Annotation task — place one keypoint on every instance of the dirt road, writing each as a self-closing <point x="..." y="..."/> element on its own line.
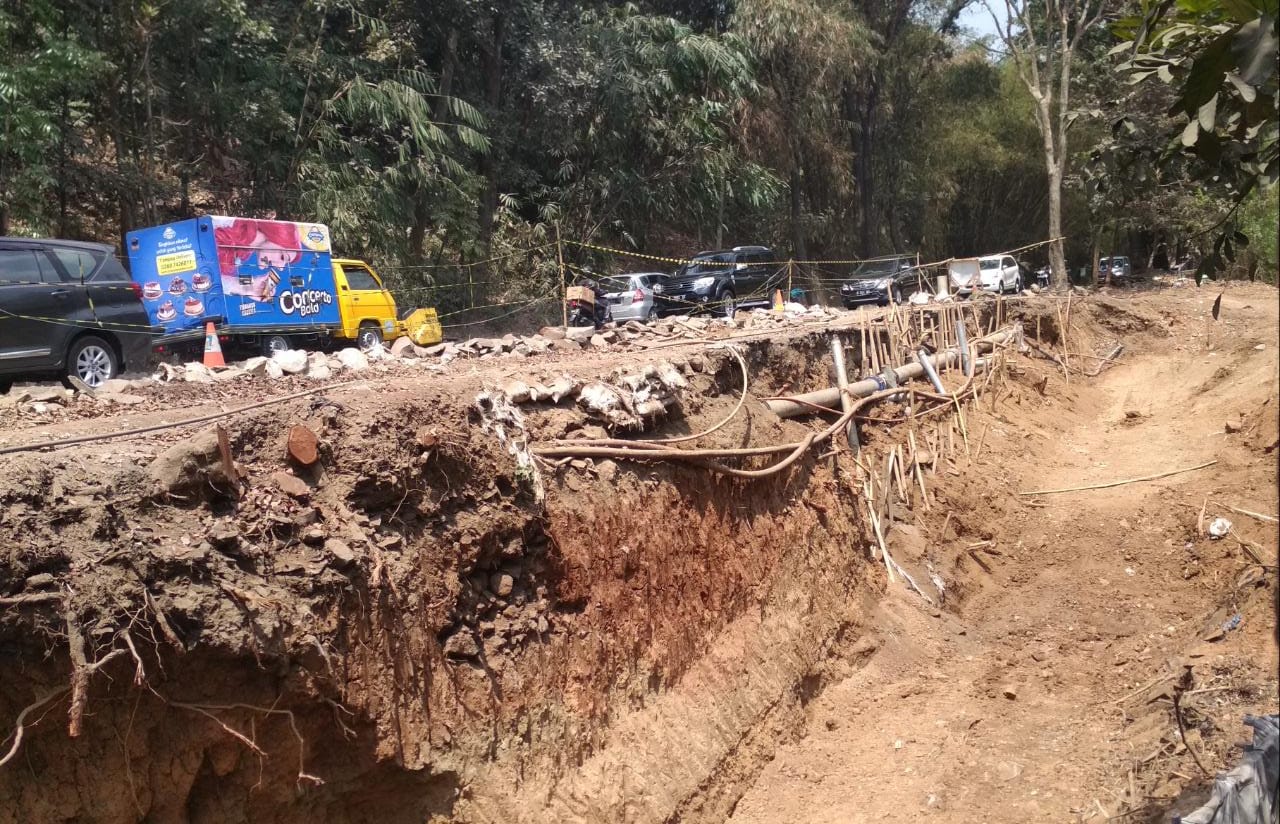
<point x="1019" y="705"/>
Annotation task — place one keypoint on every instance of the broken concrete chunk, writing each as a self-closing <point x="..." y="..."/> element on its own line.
<point x="403" y="347"/>
<point x="353" y="359"/>
<point x="552" y="333"/>
<point x="290" y="361"/>
<point x="189" y="465"/>
<point x="321" y="372"/>
<point x="599" y="341"/>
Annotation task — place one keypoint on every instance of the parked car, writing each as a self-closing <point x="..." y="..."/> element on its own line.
<point x="68" y="309"/>
<point x="1118" y="268"/>
<point x="721" y="281"/>
<point x="631" y="296"/>
<point x="990" y="273"/>
<point x="879" y="282"/>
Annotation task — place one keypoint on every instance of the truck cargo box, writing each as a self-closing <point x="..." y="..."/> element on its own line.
<point x="249" y="276"/>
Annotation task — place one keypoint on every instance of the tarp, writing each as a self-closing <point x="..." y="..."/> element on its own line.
<point x="1248" y="793"/>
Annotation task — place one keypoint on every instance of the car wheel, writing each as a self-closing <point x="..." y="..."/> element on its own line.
<point x="92" y="360"/>
<point x="5" y="386"/>
<point x="274" y="343"/>
<point x="1017" y="285"/>
<point x="729" y="302"/>
<point x="369" y="336"/>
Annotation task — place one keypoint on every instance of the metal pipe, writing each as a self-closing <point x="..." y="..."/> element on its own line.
<point x="963" y="340"/>
<point x="842" y="382"/>
<point x="922" y="357"/>
<point x="831" y="397"/>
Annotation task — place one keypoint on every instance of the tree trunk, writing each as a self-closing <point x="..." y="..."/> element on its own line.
<point x="797" y="216"/>
<point x="865" y="182"/>
<point x="493" y="97"/>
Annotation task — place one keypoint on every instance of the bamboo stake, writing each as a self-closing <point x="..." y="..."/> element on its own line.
<point x="1110" y="484"/>
<point x="964" y="430"/>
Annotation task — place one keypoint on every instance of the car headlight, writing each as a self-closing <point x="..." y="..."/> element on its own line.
<point x="704" y="283"/>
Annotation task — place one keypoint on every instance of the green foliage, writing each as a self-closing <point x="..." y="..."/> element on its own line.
<point x="1220" y="57"/>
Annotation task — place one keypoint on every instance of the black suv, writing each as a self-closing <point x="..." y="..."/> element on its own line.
<point x="68" y="309"/>
<point x="881" y="281"/>
<point x="721" y="281"/>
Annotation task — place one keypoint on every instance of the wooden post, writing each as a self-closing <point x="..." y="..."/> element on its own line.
<point x="564" y="286"/>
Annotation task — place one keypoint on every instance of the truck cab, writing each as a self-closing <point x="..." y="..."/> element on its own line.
<point x="367" y="309"/>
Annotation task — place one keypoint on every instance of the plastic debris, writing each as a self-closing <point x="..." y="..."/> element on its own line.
<point x="1220" y="528"/>
<point x="1247" y="793"/>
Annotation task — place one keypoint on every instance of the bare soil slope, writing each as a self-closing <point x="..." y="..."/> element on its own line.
<point x="1024" y="703"/>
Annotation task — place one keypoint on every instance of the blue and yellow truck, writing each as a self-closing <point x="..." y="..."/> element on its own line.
<point x="266" y="285"/>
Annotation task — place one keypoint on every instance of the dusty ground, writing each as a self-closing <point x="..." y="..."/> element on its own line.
<point x="647" y="643"/>
<point x="1092" y="594"/>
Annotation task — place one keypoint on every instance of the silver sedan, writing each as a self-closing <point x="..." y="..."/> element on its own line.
<point x="631" y="296"/>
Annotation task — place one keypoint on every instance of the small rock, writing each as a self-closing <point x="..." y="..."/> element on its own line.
<point x="697" y="364"/>
<point x="1132" y="414"/>
<point x="1009" y="691"/>
<point x="599" y="341"/>
<point x="1234" y="424"/>
<point x="502" y="584"/>
<point x="552" y="333"/>
<point x="224" y="537"/>
<point x="390" y="542"/>
<point x="339" y="551"/>
<point x="462" y="644"/>
<point x="229" y="373"/>
<point x="304" y="446"/>
<point x="353" y="359"/>
<point x="273" y="370"/>
<point x="38" y="581"/>
<point x="291" y="485"/>
<point x="579" y="333"/>
<point x="117" y="386"/>
<point x="315" y="535"/>
<point x="607" y="470"/>
<point x="320" y="372"/>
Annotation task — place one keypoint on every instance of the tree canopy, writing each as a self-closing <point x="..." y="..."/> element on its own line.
<point x="449" y="141"/>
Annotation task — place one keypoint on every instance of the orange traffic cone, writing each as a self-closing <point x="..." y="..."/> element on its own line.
<point x="212" y="349"/>
<point x="777" y="300"/>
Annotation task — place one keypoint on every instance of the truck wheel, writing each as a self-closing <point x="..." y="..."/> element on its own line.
<point x="274" y="343"/>
<point x="369" y="336"/>
<point x="92" y="360"/>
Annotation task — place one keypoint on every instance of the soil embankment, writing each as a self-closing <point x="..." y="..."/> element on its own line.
<point x="425" y="625"/>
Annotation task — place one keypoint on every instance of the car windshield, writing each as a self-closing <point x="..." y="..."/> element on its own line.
<point x="994" y="263"/>
<point x="708" y="265"/>
<point x="877" y="269"/>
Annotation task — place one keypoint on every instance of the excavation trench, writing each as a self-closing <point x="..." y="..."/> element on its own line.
<point x="429" y="624"/>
